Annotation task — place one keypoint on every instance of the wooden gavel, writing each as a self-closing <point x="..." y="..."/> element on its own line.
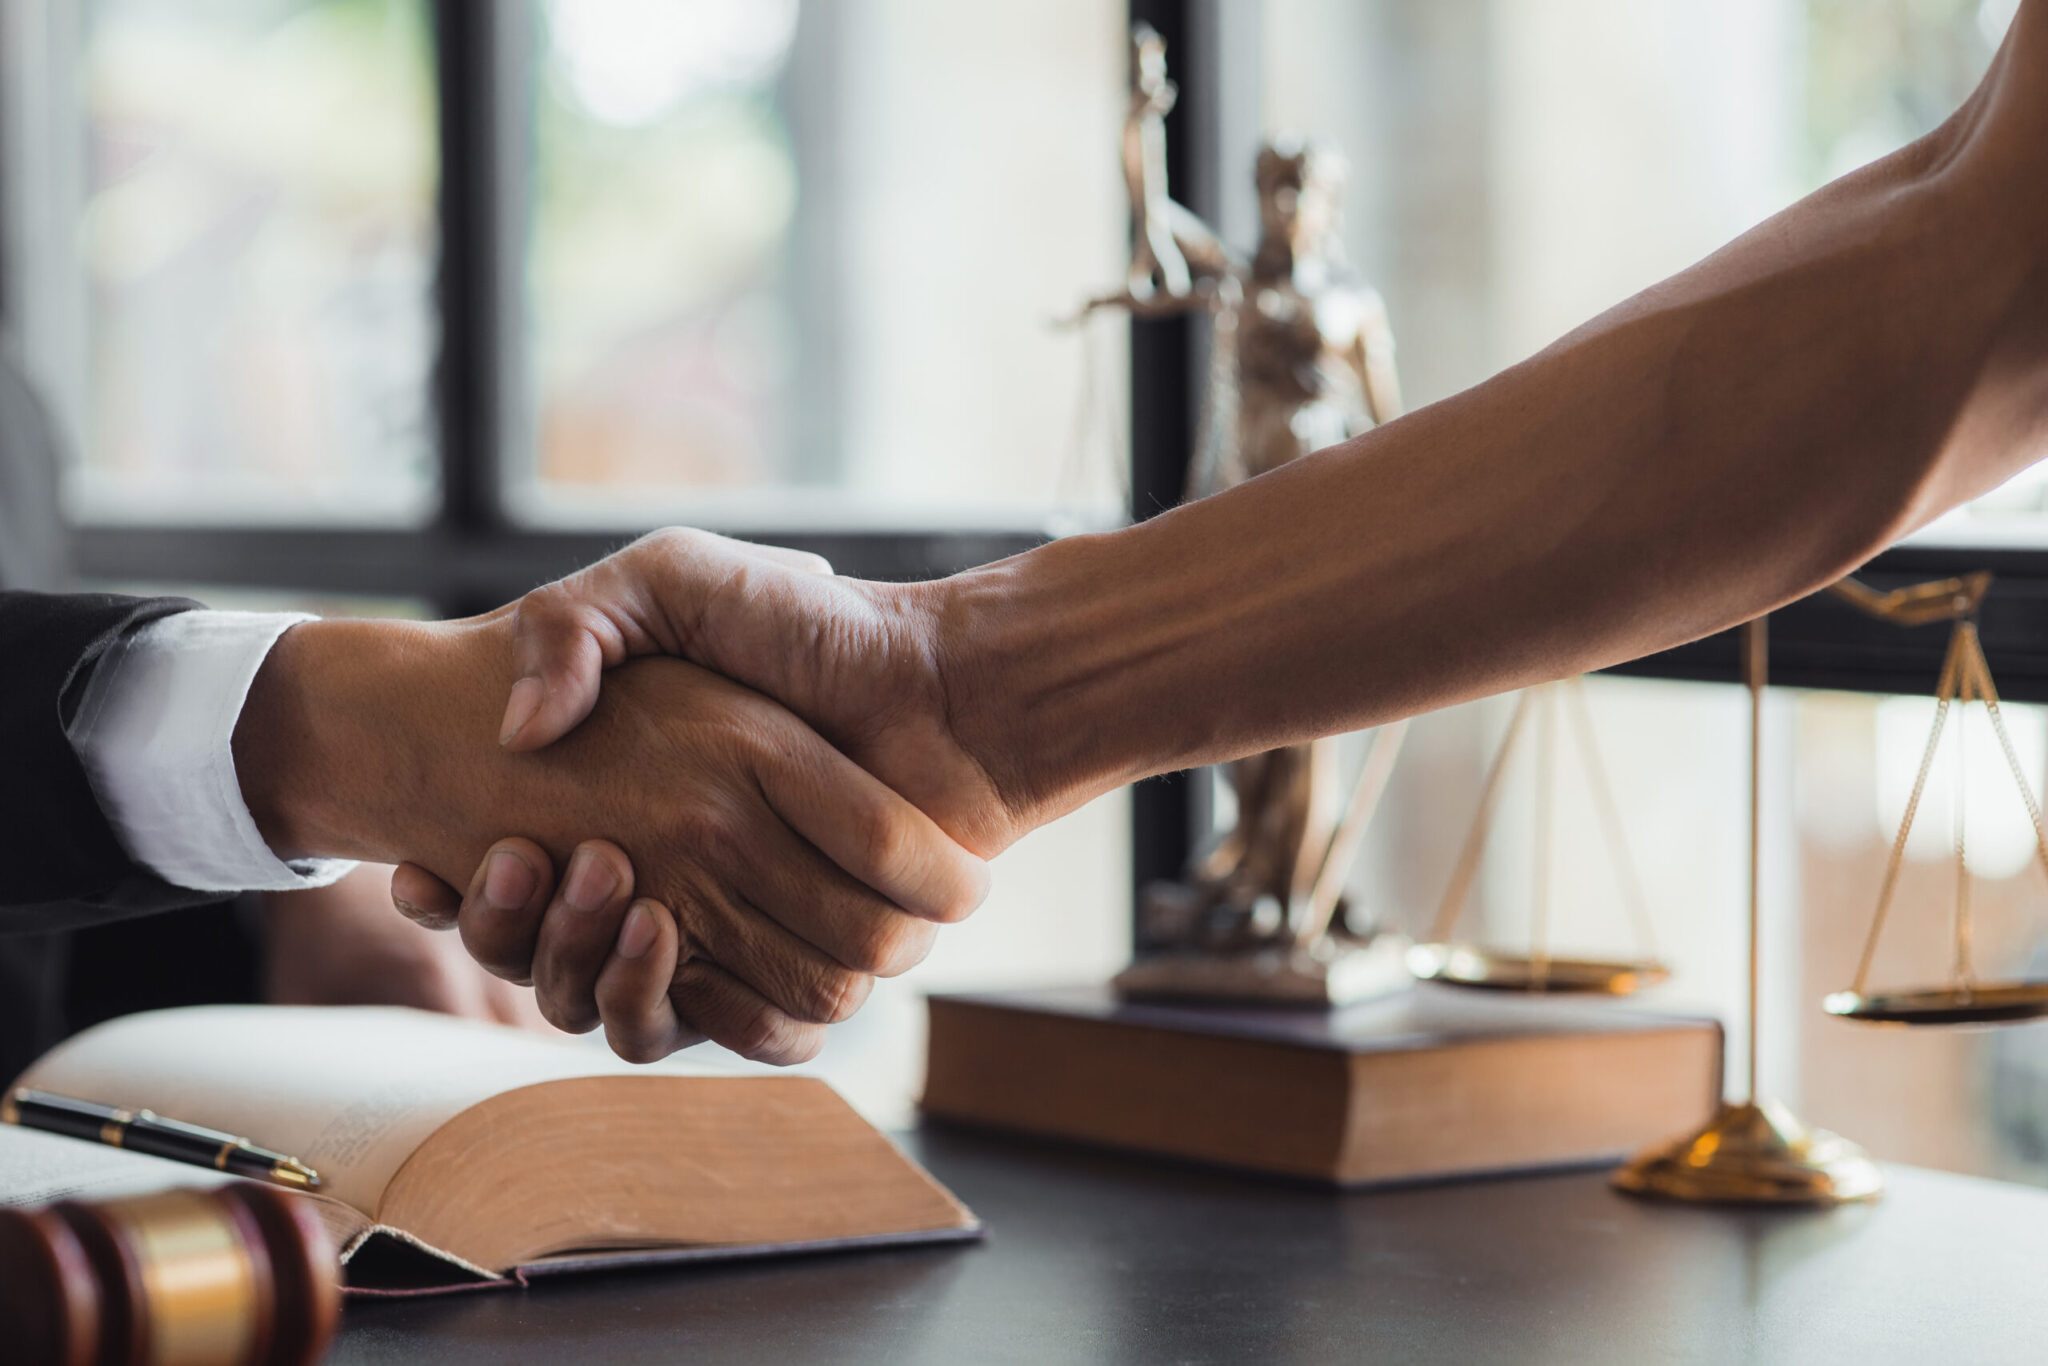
<point x="241" y="1275"/>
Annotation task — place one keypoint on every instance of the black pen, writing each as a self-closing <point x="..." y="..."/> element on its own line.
<point x="145" y="1131"/>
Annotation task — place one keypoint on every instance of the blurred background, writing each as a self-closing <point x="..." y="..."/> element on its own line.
<point x="401" y="307"/>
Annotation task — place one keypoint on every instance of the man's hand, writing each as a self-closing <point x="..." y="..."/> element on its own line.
<point x="637" y="981"/>
<point x="873" y="666"/>
<point x="793" y="875"/>
<point x="341" y="945"/>
<point x="864" y="663"/>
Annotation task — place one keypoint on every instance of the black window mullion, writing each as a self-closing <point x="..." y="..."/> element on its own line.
<point x="482" y="92"/>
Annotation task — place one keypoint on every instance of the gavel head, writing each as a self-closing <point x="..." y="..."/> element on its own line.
<point x="241" y="1275"/>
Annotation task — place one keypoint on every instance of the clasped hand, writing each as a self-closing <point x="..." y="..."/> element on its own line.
<point x="805" y="846"/>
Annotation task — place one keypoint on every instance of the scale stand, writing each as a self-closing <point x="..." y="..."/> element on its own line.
<point x="1453" y="963"/>
<point x="1754" y="1152"/>
<point x="1965" y="677"/>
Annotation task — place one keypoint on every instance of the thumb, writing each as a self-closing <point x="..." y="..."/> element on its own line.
<point x="561" y="650"/>
<point x="569" y="632"/>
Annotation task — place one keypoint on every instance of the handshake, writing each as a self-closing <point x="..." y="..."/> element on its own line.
<point x="761" y="786"/>
<point x="764" y="785"/>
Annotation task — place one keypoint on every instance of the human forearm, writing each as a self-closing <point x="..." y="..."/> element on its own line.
<point x="1725" y="442"/>
<point x="359" y="738"/>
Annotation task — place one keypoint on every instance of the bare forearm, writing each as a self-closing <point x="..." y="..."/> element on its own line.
<point x="1725" y="442"/>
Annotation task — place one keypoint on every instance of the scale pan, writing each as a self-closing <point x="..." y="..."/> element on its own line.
<point x="1472" y="965"/>
<point x="1985" y="1003"/>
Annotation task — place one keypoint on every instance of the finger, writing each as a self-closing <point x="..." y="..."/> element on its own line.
<point x="815" y="900"/>
<point x="501" y="914"/>
<point x="640" y="1021"/>
<point x="728" y="1012"/>
<point x="577" y="934"/>
<point x="566" y="634"/>
<point x="562" y="645"/>
<point x="881" y="840"/>
<point x="789" y="973"/>
<point x="423" y="898"/>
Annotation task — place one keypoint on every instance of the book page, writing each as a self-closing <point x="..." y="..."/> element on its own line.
<point x="350" y="1091"/>
<point x="36" y="1168"/>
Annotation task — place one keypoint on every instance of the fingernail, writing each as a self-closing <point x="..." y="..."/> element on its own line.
<point x="508" y="881"/>
<point x="591" y="882"/>
<point x="407" y="909"/>
<point x="638" y="932"/>
<point x="527" y="695"/>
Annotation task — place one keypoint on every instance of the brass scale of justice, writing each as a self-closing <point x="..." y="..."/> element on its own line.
<point x="1752" y="1151"/>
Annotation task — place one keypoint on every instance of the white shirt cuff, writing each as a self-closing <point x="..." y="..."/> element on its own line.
<point x="155" y="731"/>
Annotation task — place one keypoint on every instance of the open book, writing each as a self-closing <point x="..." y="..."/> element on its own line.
<point x="498" y="1152"/>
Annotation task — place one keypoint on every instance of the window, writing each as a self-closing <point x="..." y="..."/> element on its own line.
<point x="249" y="329"/>
<point x="584" y="268"/>
<point x="779" y="257"/>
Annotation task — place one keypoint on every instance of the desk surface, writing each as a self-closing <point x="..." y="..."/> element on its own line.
<point x="1094" y="1258"/>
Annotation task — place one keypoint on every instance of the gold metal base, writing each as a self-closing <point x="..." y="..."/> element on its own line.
<point x="1472" y="965"/>
<point x="1754" y="1154"/>
<point x="1980" y="1003"/>
<point x="1324" y="975"/>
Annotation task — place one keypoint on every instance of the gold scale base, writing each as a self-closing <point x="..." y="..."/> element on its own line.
<point x="1754" y="1154"/>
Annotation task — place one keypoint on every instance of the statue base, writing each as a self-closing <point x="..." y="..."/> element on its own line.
<point x="1324" y="976"/>
<point x="1429" y="1083"/>
<point x="1754" y="1154"/>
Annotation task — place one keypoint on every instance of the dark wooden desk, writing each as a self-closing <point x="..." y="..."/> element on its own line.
<point x="1100" y="1259"/>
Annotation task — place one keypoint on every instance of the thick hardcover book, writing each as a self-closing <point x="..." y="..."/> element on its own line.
<point x="1429" y="1084"/>
<point x="453" y="1153"/>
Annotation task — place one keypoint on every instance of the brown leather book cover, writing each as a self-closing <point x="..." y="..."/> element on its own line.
<point x="1428" y="1084"/>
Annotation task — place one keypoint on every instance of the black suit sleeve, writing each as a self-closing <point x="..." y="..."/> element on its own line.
<point x="61" y="865"/>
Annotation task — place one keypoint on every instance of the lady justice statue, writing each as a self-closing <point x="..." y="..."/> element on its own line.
<point x="1302" y="358"/>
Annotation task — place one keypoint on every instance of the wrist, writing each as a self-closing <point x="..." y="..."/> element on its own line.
<point x="358" y="735"/>
<point x="1038" y="680"/>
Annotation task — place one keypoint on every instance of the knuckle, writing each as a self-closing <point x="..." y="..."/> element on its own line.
<point x="840" y="994"/>
<point x="538" y="606"/>
<point x="913" y="944"/>
<point x="562" y="1005"/>
<point x="564" y="1016"/>
<point x="892" y="943"/>
<point x="765" y="1035"/>
<point x="635" y="1045"/>
<point x="502" y="940"/>
<point x="672" y="538"/>
<point x="963" y="895"/>
<point x="886" y="843"/>
<point x="497" y="958"/>
<point x="709" y="834"/>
